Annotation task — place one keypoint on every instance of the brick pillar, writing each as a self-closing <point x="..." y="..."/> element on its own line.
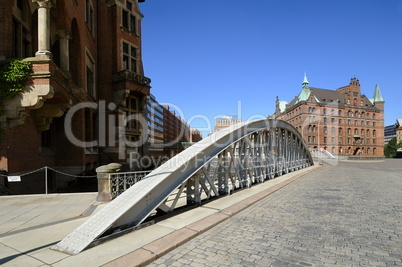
<point x="104" y="190"/>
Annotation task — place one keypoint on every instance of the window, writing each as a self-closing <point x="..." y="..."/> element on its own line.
<point x="349" y="131"/>
<point x="356" y="122"/>
<point x="324" y="111"/>
<point x="325" y="129"/>
<point x="90" y="75"/>
<point x="129" y="111"/>
<point x="362" y="132"/>
<point x="373" y="124"/>
<point x="356" y="132"/>
<point x="333" y="140"/>
<point x="374" y="141"/>
<point x="362" y="123"/>
<point x="349" y="141"/>
<point x="325" y="120"/>
<point x="21" y="40"/>
<point x="340" y="130"/>
<point x="348" y="122"/>
<point x="90" y="82"/>
<point x="374" y="132"/>
<point x="339" y="113"/>
<point x="333" y="130"/>
<point x="129" y="20"/>
<point x="325" y="140"/>
<point x="368" y="132"/>
<point x="340" y="122"/>
<point x="130" y="55"/>
<point x="332" y="112"/>
<point x="332" y="121"/>
<point x="89" y="15"/>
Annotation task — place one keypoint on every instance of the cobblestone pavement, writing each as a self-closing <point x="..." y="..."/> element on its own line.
<point x="349" y="214"/>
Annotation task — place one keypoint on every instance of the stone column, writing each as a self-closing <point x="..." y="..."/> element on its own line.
<point x="104" y="190"/>
<point x="64" y="39"/>
<point x="43" y="27"/>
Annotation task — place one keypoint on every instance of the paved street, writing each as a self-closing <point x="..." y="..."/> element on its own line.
<point x="349" y="214"/>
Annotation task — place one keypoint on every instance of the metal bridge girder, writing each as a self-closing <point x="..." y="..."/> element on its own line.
<point x="235" y="157"/>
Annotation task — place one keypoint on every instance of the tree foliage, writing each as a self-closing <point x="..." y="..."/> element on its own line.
<point x="13" y="74"/>
<point x="390" y="150"/>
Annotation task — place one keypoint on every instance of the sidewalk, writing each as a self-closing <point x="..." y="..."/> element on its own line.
<point x="31" y="225"/>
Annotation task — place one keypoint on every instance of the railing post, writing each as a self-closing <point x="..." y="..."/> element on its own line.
<point x="104" y="190"/>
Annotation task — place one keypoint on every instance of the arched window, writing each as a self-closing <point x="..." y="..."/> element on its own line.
<point x="355" y="102"/>
<point x="324" y="111"/>
<point x="356" y="132"/>
<point x="362" y="132"/>
<point x="374" y="132"/>
<point x="333" y="130"/>
<point x="339" y="113"/>
<point x="325" y="129"/>
<point x="368" y="133"/>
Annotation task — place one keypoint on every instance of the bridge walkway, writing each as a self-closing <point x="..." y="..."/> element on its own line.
<point x="28" y="241"/>
<point x="349" y="214"/>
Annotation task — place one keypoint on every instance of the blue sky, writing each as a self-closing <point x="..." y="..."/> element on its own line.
<point x="214" y="57"/>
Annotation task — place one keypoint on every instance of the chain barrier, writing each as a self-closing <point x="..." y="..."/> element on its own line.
<point x="48" y="168"/>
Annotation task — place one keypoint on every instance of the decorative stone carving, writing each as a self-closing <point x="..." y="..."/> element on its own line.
<point x="44" y="3"/>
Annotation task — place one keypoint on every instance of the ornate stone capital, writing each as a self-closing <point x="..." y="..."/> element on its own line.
<point x="64" y="34"/>
<point x="44" y="3"/>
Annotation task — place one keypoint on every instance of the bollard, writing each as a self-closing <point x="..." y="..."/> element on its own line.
<point x="104" y="190"/>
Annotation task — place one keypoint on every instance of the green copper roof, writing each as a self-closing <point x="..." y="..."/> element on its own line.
<point x="305" y="81"/>
<point x="305" y="93"/>
<point x="377" y="94"/>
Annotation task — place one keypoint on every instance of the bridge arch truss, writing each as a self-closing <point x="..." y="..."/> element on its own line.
<point x="234" y="158"/>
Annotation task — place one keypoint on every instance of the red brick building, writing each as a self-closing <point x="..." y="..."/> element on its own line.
<point x="343" y="121"/>
<point x="83" y="103"/>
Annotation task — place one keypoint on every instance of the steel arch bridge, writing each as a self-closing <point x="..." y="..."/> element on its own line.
<point x="235" y="157"/>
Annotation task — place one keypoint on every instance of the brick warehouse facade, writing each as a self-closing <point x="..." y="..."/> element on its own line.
<point x="344" y="122"/>
<point x="84" y="104"/>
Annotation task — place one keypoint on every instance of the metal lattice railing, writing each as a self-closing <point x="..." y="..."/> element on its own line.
<point x="121" y="181"/>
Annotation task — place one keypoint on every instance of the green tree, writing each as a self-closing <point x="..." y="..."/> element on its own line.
<point x="391" y="148"/>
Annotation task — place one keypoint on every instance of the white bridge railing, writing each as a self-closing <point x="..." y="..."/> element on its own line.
<point x="121" y="181"/>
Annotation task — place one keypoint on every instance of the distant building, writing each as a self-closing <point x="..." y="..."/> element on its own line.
<point x="175" y="132"/>
<point x="225" y="121"/>
<point x="195" y="135"/>
<point x="394" y="130"/>
<point x="166" y="132"/>
<point x="342" y="121"/>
